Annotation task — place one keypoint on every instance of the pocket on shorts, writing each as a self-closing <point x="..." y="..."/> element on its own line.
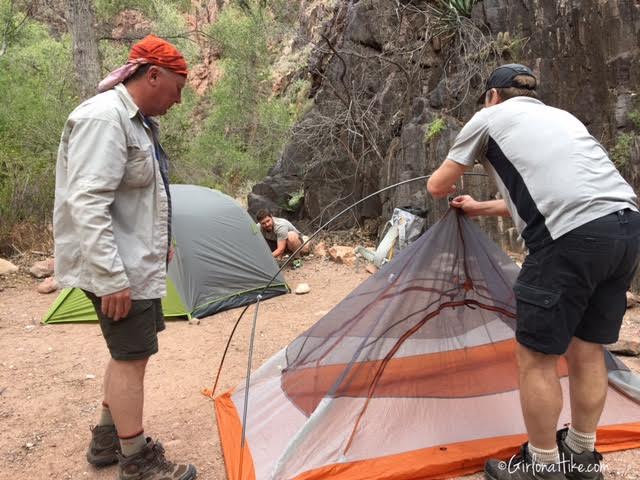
<point x="536" y="296"/>
<point x="138" y="307"/>
<point x="538" y="324"/>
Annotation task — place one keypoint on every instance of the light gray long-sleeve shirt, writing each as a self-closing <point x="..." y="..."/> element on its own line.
<point x="110" y="216"/>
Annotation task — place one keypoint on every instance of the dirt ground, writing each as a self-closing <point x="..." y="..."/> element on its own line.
<point x="50" y="377"/>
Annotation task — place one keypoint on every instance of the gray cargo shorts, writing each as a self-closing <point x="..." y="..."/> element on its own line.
<point x="134" y="337"/>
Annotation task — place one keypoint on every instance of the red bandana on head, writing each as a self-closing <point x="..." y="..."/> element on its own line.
<point x="157" y="51"/>
<point x="150" y="49"/>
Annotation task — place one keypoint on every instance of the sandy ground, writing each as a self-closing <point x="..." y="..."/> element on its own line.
<point x="50" y="378"/>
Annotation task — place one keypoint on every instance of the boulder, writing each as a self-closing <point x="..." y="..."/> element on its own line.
<point x="42" y="269"/>
<point x="632" y="300"/>
<point x="7" y="267"/>
<point x="320" y="249"/>
<point x="626" y="347"/>
<point x="302" y="288"/>
<point x="48" y="285"/>
<point x="342" y="254"/>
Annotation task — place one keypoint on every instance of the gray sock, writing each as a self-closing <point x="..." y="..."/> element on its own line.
<point x="105" y="416"/>
<point x="580" y="442"/>
<point x="132" y="445"/>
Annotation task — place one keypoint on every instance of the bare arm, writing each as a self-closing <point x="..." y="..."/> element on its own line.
<point x="280" y="249"/>
<point x="443" y="180"/>
<point x="473" y="208"/>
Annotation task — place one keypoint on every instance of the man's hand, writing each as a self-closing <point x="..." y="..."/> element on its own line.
<point x="473" y="208"/>
<point x="467" y="204"/>
<point x="117" y="305"/>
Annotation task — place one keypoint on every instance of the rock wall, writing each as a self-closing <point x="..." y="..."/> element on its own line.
<point x="392" y="85"/>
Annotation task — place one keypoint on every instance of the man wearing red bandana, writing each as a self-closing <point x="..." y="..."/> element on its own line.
<point x="112" y="231"/>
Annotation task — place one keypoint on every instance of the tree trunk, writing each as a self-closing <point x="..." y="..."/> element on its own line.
<point x="81" y="20"/>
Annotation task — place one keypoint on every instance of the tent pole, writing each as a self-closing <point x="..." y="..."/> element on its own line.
<point x="247" y="383"/>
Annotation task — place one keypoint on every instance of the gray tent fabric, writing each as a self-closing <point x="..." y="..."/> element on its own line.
<point x="221" y="259"/>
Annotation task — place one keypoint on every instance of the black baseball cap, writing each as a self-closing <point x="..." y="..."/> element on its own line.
<point x="503" y="77"/>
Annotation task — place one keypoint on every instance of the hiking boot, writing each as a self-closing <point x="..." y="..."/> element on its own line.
<point x="150" y="464"/>
<point x="104" y="446"/>
<point x="522" y="467"/>
<point x="579" y="466"/>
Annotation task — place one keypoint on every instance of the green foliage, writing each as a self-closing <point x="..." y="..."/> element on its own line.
<point x="449" y="16"/>
<point x="177" y="127"/>
<point x="458" y="7"/>
<point x="168" y="22"/>
<point x="295" y="202"/>
<point x="508" y="47"/>
<point x="634" y="116"/>
<point x="226" y="138"/>
<point x="622" y="149"/>
<point x="108" y="9"/>
<point x="36" y="98"/>
<point x="434" y="129"/>
<point x="247" y="127"/>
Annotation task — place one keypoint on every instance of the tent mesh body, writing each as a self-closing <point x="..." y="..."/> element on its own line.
<point x="412" y="376"/>
<point x="221" y="261"/>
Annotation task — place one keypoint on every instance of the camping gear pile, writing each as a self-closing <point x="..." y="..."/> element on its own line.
<point x="406" y="226"/>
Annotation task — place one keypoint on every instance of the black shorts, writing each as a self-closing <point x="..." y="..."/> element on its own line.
<point x="134" y="337"/>
<point x="576" y="286"/>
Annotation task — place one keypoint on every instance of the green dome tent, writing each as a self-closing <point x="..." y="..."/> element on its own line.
<point x="221" y="261"/>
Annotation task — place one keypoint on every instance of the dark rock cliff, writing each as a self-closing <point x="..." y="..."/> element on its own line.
<point x="393" y="81"/>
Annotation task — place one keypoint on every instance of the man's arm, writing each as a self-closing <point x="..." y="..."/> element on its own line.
<point x="280" y="249"/>
<point x="473" y="208"/>
<point x="443" y="180"/>
<point x="96" y="162"/>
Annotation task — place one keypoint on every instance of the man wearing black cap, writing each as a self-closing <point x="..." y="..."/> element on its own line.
<point x="580" y="222"/>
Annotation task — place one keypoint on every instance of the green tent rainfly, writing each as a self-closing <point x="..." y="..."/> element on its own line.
<point x="221" y="261"/>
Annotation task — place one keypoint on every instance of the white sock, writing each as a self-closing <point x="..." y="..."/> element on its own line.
<point x="547" y="457"/>
<point x="579" y="441"/>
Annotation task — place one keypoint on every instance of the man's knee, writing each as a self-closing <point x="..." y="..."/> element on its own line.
<point x="529" y="359"/>
<point x="293" y="241"/>
<point x="129" y="367"/>
<point x="582" y="354"/>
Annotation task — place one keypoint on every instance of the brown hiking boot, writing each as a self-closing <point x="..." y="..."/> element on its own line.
<point x="104" y="446"/>
<point x="150" y="464"/>
<point x="522" y="467"/>
<point x="579" y="466"/>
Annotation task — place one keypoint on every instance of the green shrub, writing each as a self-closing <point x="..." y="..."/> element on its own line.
<point x="622" y="149"/>
<point x="460" y="7"/>
<point x="634" y="116"/>
<point x="434" y="129"/>
<point x="247" y="127"/>
<point x="37" y="95"/>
